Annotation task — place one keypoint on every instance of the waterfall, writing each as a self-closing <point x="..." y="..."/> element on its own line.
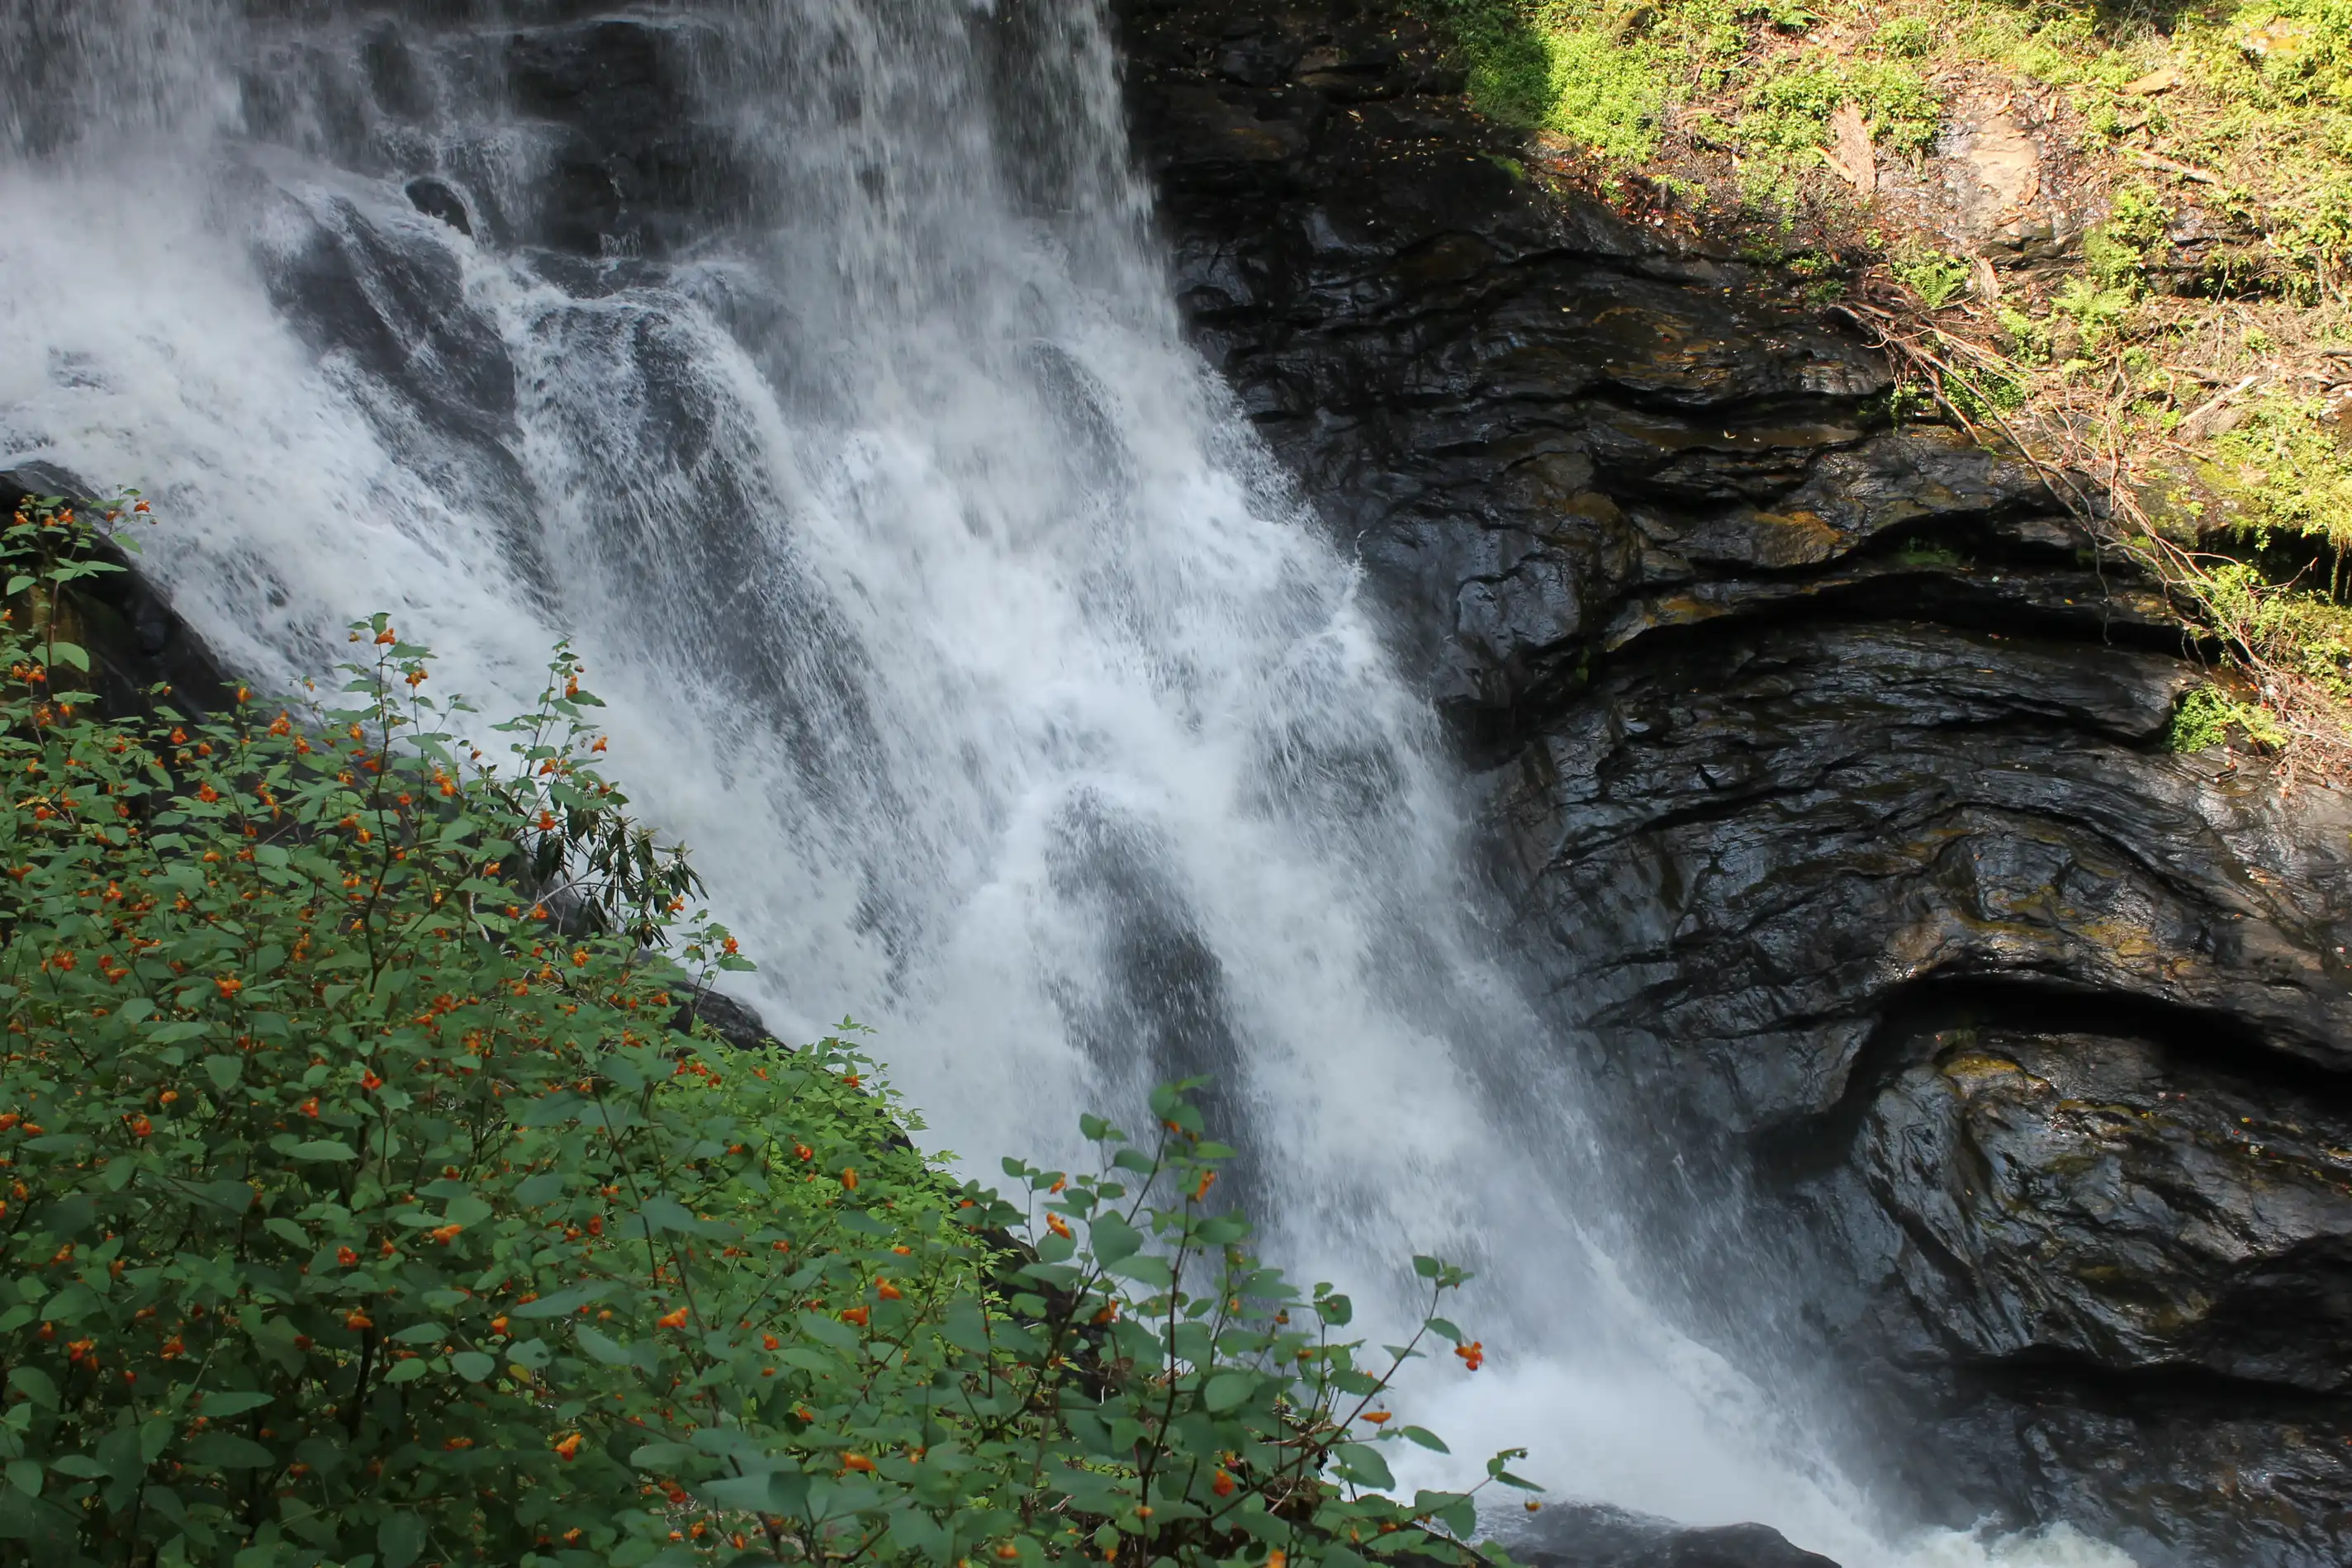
<point x="1013" y="702"/>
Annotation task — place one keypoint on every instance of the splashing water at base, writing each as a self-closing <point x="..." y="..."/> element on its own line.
<point x="941" y="599"/>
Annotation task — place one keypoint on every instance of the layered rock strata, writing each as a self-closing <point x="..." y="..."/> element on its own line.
<point x="1826" y="764"/>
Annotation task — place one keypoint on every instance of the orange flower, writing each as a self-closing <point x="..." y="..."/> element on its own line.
<point x="357" y="1318"/>
<point x="384" y="639"/>
<point x="141" y="1126"/>
<point x="370" y="1081"/>
<point x="1376" y="1417"/>
<point x="886" y="1289"/>
<point x="228" y="986"/>
<point x="1473" y="1354"/>
<point x="281" y="726"/>
<point x="1058" y="1226"/>
<point x="675" y="1320"/>
<point x="171" y="1347"/>
<point x="346" y="1257"/>
<point x="1277" y="1558"/>
<point x="498" y="1325"/>
<point x="207" y="794"/>
<point x="804" y="1151"/>
<point x="770" y="1340"/>
<point x="857" y="1315"/>
<point x="1208" y="1180"/>
<point x="445" y="1234"/>
<point x="600" y="743"/>
<point x="1223" y="1485"/>
<point x="849" y="1180"/>
<point x="567" y="1446"/>
<point x="311" y="1107"/>
<point x="169" y="1096"/>
<point x="730" y="946"/>
<point x="856" y="1462"/>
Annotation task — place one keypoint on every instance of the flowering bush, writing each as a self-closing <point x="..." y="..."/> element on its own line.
<point x="361" y="1202"/>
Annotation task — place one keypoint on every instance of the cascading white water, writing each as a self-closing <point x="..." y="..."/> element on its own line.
<point x="1014" y="705"/>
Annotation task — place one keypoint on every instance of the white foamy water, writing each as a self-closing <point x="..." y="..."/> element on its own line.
<point x="1012" y="704"/>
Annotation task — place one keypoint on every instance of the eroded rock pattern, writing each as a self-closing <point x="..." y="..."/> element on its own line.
<point x="1827" y="768"/>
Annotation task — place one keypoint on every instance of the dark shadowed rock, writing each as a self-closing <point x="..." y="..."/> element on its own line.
<point x="1586" y="1536"/>
<point x="1826" y="762"/>
<point x="135" y="640"/>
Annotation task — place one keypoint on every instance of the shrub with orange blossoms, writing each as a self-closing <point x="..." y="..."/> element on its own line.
<point x="343" y="1223"/>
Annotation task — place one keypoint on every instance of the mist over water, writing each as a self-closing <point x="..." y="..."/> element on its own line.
<point x="1013" y="702"/>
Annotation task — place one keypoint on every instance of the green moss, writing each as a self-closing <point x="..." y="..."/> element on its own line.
<point x="2206" y="715"/>
<point x="2286" y="466"/>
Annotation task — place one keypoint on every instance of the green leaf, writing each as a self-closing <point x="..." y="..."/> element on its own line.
<point x="1361" y="1463"/>
<point x="473" y="1365"/>
<point x="1427" y="1439"/>
<point x="1227" y="1389"/>
<point x="400" y="1539"/>
<point x="24" y="1475"/>
<point x="218" y="1405"/>
<point x="1146" y="1271"/>
<point x="285" y="1231"/>
<point x="603" y="1347"/>
<point x="34" y="1385"/>
<point x="1114" y="1240"/>
<point x="407" y="1371"/>
<point x="421" y="1333"/>
<point x="228" y="1452"/>
<point x="322" y="1149"/>
<point x="224" y="1071"/>
<point x="154" y="1436"/>
<point x="781" y="1491"/>
<point x="563" y="1302"/>
<point x="545" y="1187"/>
<point x="80" y="1465"/>
<point x="232" y="1197"/>
<point x="70" y="653"/>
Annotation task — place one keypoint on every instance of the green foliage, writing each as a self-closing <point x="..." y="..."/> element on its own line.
<point x="365" y="1206"/>
<point x="2301" y="49"/>
<point x="1938" y="279"/>
<point x="1789" y="110"/>
<point x="1905" y="37"/>
<point x="2206" y="715"/>
<point x="2287" y="468"/>
<point x="2097" y="313"/>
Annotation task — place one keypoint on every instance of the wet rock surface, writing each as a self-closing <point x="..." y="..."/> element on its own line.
<point x="1826" y="764"/>
<point x="1589" y="1537"/>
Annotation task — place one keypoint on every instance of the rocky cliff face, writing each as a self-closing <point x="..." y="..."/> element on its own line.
<point x="1827" y="771"/>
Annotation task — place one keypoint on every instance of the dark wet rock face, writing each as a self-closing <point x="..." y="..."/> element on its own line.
<point x="1594" y="1537"/>
<point x="1826" y="765"/>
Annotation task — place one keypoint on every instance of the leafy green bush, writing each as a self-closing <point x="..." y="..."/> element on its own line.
<point x="365" y="1204"/>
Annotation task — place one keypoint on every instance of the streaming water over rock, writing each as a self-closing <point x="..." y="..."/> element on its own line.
<point x="807" y="362"/>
